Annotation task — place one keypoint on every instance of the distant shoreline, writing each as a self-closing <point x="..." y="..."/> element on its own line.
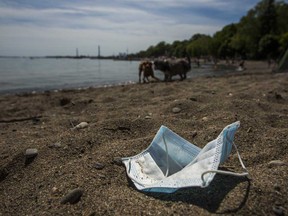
<point x="73" y="57"/>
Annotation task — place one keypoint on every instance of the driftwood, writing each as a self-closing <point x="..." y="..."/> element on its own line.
<point x="33" y="118"/>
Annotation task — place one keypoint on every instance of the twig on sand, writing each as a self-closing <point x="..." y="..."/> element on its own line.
<point x="34" y="118"/>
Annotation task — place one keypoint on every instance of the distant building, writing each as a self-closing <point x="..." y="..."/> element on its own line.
<point x="99" y="51"/>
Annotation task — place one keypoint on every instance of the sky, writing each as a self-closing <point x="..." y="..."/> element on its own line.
<point x="59" y="27"/>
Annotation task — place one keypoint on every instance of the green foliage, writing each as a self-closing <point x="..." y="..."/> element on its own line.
<point x="267" y="17"/>
<point x="269" y="46"/>
<point x="261" y="33"/>
<point x="199" y="45"/>
<point x="283" y="40"/>
<point x="223" y="39"/>
<point x="282" y="17"/>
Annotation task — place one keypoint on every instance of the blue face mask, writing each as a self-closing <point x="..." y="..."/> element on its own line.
<point x="171" y="162"/>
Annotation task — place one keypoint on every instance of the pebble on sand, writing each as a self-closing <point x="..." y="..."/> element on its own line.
<point x="276" y="163"/>
<point x="72" y="196"/>
<point x="205" y="118"/>
<point x="31" y="153"/>
<point x="117" y="161"/>
<point x="55" y="145"/>
<point x="176" y="110"/>
<point x="98" y="166"/>
<point x="278" y="210"/>
<point x="81" y="125"/>
<point x="194" y="134"/>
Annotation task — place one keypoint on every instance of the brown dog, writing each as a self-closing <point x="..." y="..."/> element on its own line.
<point x="147" y="69"/>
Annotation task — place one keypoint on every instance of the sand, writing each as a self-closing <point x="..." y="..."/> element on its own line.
<point x="122" y="121"/>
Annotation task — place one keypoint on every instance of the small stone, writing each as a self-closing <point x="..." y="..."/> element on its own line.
<point x="276" y="163"/>
<point x="101" y="176"/>
<point x="31" y="153"/>
<point x="98" y="166"/>
<point x="72" y="196"/>
<point x="55" y="145"/>
<point x="176" y="110"/>
<point x="3" y="173"/>
<point x="64" y="101"/>
<point x="193" y="99"/>
<point x="194" y="134"/>
<point x="205" y="118"/>
<point x="249" y="130"/>
<point x="117" y="161"/>
<point x="55" y="190"/>
<point x="278" y="96"/>
<point x="278" y="210"/>
<point x="277" y="187"/>
<point x="81" y="125"/>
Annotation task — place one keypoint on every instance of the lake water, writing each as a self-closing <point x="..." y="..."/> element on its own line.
<point x="26" y="75"/>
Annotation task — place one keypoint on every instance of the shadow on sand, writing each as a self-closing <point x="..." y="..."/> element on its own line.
<point x="209" y="198"/>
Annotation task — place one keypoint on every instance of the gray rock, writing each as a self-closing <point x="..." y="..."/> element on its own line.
<point x="194" y="134"/>
<point x="72" y="196"/>
<point x="277" y="187"/>
<point x="117" y="161"/>
<point x="176" y="110"/>
<point x="98" y="166"/>
<point x="31" y="153"/>
<point x="278" y="210"/>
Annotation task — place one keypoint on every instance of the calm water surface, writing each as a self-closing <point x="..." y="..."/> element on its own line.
<point x="24" y="74"/>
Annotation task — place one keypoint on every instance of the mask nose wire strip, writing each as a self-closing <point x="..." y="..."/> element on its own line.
<point x="167" y="159"/>
<point x="227" y="172"/>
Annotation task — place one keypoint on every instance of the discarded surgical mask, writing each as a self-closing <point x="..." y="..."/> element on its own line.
<point x="171" y="162"/>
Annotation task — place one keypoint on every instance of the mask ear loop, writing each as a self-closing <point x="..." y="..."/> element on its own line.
<point x="228" y="172"/>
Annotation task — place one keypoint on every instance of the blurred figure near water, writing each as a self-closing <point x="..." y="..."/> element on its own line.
<point x="146" y="68"/>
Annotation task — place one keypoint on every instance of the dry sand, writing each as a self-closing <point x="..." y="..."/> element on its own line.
<point x="122" y="121"/>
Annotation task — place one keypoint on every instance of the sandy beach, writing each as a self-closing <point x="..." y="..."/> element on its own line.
<point x="122" y="121"/>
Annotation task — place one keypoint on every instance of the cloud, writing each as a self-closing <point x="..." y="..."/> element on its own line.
<point x="31" y="27"/>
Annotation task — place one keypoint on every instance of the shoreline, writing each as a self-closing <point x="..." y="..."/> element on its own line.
<point x="52" y="89"/>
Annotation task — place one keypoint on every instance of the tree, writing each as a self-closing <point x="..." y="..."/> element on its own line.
<point x="269" y="46"/>
<point x="267" y="17"/>
<point x="282" y="17"/>
<point x="200" y="45"/>
<point x="261" y="33"/>
<point x="222" y="41"/>
<point x="283" y="42"/>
